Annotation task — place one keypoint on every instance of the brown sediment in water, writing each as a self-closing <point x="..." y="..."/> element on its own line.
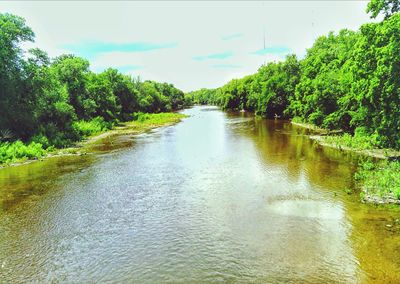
<point x="387" y="154"/>
<point x="382" y="154"/>
<point x="210" y="199"/>
<point x="83" y="147"/>
<point x="319" y="135"/>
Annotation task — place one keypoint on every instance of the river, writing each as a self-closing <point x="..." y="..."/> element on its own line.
<point x="219" y="197"/>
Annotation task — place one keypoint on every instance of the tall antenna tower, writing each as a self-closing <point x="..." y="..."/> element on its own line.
<point x="264" y="43"/>
<point x="264" y="46"/>
<point x="264" y="37"/>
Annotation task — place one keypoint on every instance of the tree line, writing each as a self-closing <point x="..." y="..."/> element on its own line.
<point x="46" y="100"/>
<point x="348" y="80"/>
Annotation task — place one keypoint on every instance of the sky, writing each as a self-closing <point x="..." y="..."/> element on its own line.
<point x="191" y="44"/>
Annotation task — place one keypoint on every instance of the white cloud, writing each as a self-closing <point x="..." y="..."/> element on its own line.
<point x="198" y="28"/>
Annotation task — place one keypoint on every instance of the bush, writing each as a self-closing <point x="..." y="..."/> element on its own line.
<point x="359" y="141"/>
<point x="381" y="179"/>
<point x="140" y="116"/>
<point x="297" y="119"/>
<point x="11" y="152"/>
<point x="92" y="127"/>
<point x="41" y="139"/>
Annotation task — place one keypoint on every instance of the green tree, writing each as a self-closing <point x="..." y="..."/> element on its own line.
<point x="74" y="71"/>
<point x="279" y="81"/>
<point x="124" y="90"/>
<point x="52" y="114"/>
<point x="150" y="99"/>
<point x="100" y="93"/>
<point x="15" y="105"/>
<point x="374" y="99"/>
<point x="321" y="83"/>
<point x="387" y="7"/>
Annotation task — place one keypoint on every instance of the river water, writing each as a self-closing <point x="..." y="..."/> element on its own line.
<point x="219" y="197"/>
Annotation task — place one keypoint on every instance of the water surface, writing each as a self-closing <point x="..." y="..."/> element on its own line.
<point x="219" y="197"/>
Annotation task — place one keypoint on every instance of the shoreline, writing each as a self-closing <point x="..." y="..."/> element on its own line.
<point x="308" y="126"/>
<point x="386" y="154"/>
<point x="381" y="196"/>
<point x="80" y="148"/>
<point x="383" y="154"/>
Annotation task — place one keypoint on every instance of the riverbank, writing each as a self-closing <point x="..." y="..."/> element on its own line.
<point x="345" y="143"/>
<point x="378" y="176"/>
<point x="362" y="145"/>
<point x="309" y="126"/>
<point x="143" y="123"/>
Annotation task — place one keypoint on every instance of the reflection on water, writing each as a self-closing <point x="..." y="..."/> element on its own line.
<point x="218" y="197"/>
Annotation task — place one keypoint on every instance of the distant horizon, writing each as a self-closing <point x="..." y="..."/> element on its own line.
<point x="186" y="44"/>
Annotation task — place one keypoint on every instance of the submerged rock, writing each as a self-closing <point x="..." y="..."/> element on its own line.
<point x="389" y="199"/>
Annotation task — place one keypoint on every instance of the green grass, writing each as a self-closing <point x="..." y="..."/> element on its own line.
<point x="18" y="151"/>
<point x="158" y="117"/>
<point x="380" y="179"/>
<point x="297" y="119"/>
<point x="144" y="121"/>
<point x="359" y="141"/>
<point x="89" y="128"/>
<point x="12" y="152"/>
<point x="354" y="142"/>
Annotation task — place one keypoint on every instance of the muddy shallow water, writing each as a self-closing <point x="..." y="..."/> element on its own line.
<point x="217" y="197"/>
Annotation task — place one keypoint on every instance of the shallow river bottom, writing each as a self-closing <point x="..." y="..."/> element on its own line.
<point x="219" y="197"/>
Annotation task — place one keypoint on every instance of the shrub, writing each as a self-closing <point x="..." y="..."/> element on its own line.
<point x="382" y="179"/>
<point x="359" y="141"/>
<point x="11" y="152"/>
<point x="92" y="127"/>
<point x="140" y="116"/>
<point x="41" y="139"/>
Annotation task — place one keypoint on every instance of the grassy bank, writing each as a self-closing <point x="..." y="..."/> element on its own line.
<point x="379" y="181"/>
<point x="298" y="122"/>
<point x="360" y="145"/>
<point x="145" y="121"/>
<point x="14" y="153"/>
<point x="378" y="175"/>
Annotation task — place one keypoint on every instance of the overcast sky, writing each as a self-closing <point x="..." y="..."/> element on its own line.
<point x="190" y="44"/>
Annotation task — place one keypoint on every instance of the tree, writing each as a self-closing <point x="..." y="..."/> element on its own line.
<point x="279" y="83"/>
<point x="387" y="7"/>
<point x="46" y="100"/>
<point x="100" y="93"/>
<point x="374" y="99"/>
<point x="15" y="104"/>
<point x="321" y="83"/>
<point x="125" y="93"/>
<point x="74" y="71"/>
<point x="52" y="115"/>
<point x="174" y="95"/>
<point x="150" y="99"/>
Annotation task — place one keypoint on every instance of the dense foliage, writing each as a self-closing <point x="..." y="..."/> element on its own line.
<point x="53" y="102"/>
<point x="10" y="152"/>
<point x="387" y="7"/>
<point x="379" y="179"/>
<point x="349" y="80"/>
